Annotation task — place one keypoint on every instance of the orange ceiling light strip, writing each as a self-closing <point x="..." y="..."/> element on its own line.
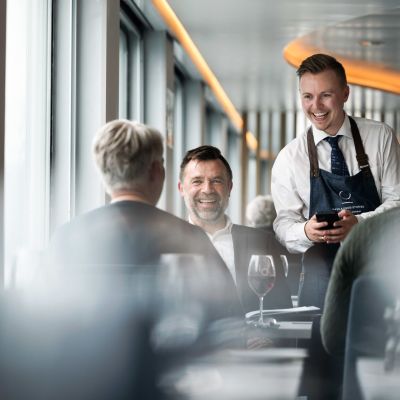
<point x="358" y="73"/>
<point x="251" y="141"/>
<point x="187" y="43"/>
<point x="180" y="32"/>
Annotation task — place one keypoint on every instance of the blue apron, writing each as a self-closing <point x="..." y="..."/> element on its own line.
<point x="330" y="192"/>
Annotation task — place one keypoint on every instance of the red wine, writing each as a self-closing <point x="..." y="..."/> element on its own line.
<point x="261" y="285"/>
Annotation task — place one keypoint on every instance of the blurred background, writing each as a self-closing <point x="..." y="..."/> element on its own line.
<point x="202" y="72"/>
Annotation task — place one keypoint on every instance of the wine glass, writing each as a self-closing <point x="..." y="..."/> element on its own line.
<point x="261" y="278"/>
<point x="181" y="312"/>
<point x="285" y="264"/>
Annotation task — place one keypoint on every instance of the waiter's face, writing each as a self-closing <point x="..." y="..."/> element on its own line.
<point x="322" y="98"/>
<point x="205" y="188"/>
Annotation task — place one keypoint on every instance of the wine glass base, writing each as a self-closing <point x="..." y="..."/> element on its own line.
<point x="267" y="323"/>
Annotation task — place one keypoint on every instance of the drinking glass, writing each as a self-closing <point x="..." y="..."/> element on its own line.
<point x="181" y="310"/>
<point x="261" y="278"/>
<point x="285" y="264"/>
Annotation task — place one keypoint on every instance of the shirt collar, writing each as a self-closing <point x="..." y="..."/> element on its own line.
<point x="227" y="229"/>
<point x="345" y="130"/>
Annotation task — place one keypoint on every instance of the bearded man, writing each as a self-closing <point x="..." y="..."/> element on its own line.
<point x="205" y="185"/>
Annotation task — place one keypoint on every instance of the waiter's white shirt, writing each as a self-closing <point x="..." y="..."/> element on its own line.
<point x="223" y="242"/>
<point x="291" y="176"/>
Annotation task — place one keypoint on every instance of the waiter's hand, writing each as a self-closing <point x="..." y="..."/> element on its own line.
<point x="342" y="227"/>
<point x="315" y="230"/>
<point x="347" y="221"/>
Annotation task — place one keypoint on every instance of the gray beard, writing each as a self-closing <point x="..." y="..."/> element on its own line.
<point x="209" y="216"/>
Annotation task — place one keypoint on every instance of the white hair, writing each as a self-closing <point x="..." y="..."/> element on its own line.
<point x="124" y="151"/>
<point x="260" y="212"/>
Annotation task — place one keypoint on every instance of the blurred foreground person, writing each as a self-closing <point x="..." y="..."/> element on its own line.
<point x="364" y="284"/>
<point x="371" y="249"/>
<point x="64" y="343"/>
<point x="115" y="310"/>
<point x="205" y="184"/>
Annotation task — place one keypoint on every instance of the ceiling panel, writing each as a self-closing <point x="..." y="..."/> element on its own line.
<point x="243" y="41"/>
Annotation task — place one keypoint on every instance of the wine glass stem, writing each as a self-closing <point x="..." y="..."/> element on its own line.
<point x="261" y="319"/>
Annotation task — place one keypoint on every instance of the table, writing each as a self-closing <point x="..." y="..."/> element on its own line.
<point x="287" y="330"/>
<point x="265" y="374"/>
<point x="375" y="382"/>
<point x="291" y="330"/>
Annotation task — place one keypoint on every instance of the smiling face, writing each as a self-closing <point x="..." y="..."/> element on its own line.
<point x="205" y="188"/>
<point x="322" y="98"/>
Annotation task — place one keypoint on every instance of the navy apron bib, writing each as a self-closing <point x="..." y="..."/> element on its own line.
<point x="330" y="192"/>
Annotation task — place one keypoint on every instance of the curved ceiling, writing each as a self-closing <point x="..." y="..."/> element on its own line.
<point x="374" y="63"/>
<point x="243" y="42"/>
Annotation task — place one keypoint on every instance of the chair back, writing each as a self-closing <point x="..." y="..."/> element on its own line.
<point x="74" y="345"/>
<point x="366" y="329"/>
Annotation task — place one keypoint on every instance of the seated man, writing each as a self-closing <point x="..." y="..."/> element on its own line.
<point x="205" y="184"/>
<point x="372" y="248"/>
<point x="131" y="230"/>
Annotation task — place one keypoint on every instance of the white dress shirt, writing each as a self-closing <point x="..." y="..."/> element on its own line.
<point x="291" y="176"/>
<point x="223" y="242"/>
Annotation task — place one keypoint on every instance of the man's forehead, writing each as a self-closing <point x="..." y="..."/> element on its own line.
<point x="201" y="167"/>
<point x="325" y="80"/>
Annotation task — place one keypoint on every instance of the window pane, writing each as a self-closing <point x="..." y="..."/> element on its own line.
<point x="130" y="71"/>
<point x="123" y="75"/>
<point x="27" y="130"/>
<point x="178" y="145"/>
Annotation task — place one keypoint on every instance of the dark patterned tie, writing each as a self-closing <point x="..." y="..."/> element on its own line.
<point x="338" y="164"/>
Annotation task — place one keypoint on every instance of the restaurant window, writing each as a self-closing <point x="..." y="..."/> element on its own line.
<point x="27" y="134"/>
<point x="178" y="140"/>
<point x="130" y="71"/>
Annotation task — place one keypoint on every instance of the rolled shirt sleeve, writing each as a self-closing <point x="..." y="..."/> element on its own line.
<point x="290" y="205"/>
<point x="385" y="167"/>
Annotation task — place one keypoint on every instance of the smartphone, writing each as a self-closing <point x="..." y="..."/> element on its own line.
<point x="328" y="216"/>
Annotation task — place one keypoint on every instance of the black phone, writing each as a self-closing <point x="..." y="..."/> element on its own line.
<point x="328" y="216"/>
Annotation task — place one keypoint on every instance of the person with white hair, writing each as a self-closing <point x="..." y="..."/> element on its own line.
<point x="260" y="212"/>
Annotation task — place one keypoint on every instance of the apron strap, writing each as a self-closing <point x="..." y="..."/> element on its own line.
<point x="312" y="154"/>
<point x="362" y="157"/>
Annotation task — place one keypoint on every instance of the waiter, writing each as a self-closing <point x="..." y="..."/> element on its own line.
<point x="346" y="165"/>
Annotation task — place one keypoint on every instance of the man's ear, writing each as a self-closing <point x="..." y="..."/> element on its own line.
<point x="180" y="188"/>
<point x="230" y="186"/>
<point x="346" y="93"/>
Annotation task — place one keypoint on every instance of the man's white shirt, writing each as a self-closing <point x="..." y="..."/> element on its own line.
<point x="223" y="242"/>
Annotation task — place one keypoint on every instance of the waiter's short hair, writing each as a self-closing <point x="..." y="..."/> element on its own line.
<point x="204" y="153"/>
<point x="322" y="62"/>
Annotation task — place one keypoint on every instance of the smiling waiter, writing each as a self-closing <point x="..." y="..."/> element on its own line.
<point x="344" y="164"/>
